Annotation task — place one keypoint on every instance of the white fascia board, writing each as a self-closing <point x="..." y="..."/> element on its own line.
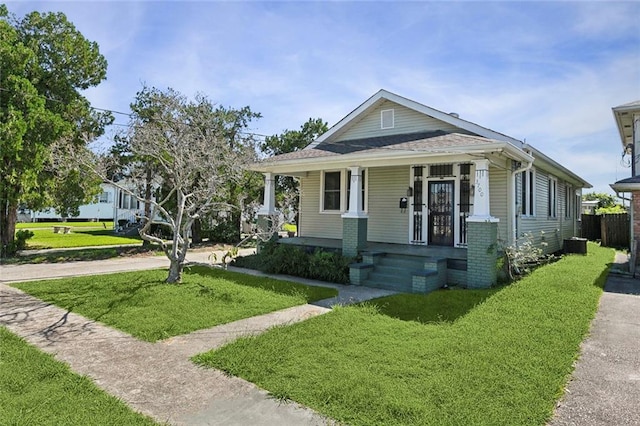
<point x="625" y="187"/>
<point x="556" y="168"/>
<point x="382" y="158"/>
<point x="442" y="116"/>
<point x="347" y="119"/>
<point x="622" y="119"/>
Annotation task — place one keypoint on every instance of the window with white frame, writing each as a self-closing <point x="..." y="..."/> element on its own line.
<point x="331" y="191"/>
<point x="363" y="188"/>
<point x="568" y="195"/>
<point x="552" y="209"/>
<point x="528" y="193"/>
<point x="578" y="205"/>
<point x="103" y="197"/>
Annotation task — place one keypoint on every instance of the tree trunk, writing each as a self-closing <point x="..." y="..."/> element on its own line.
<point x="147" y="203"/>
<point x="8" y="219"/>
<point x="175" y="271"/>
<point x="196" y="231"/>
<point x="236" y="218"/>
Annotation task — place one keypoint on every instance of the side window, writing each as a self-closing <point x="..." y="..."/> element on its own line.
<point x="528" y="193"/>
<point x="552" y="209"/>
<point x="331" y="191"/>
<point x="568" y="196"/>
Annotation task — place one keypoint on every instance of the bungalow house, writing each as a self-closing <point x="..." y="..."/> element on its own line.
<point x="627" y="118"/>
<point x="437" y="196"/>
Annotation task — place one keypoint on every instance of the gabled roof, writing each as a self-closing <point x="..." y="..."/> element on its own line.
<point x="329" y="151"/>
<point x="624" y="120"/>
<point x="383" y="95"/>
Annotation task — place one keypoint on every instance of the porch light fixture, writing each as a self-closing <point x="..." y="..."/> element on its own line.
<point x="409" y="192"/>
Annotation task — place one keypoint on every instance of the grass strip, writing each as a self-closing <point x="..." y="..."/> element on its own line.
<point x="35" y="389"/>
<point x="143" y="305"/>
<point x="46" y="238"/>
<point x="504" y="360"/>
<point x="38" y="225"/>
<point x="81" y="255"/>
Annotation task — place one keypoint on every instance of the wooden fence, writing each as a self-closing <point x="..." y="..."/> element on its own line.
<point x="611" y="229"/>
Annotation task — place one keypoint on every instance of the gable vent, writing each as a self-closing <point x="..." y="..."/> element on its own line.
<point x="386" y="119"/>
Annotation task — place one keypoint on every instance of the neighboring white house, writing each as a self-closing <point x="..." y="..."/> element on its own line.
<point x="430" y="186"/>
<point x="589" y="206"/>
<point x="112" y="204"/>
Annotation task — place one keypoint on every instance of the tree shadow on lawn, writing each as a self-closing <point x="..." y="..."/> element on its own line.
<point x="440" y="306"/>
<point x="286" y="288"/>
<point x="101" y="232"/>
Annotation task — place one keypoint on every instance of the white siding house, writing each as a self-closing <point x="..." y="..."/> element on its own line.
<point x="112" y="204"/>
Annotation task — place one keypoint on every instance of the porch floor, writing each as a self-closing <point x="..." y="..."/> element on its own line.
<point x="406" y="249"/>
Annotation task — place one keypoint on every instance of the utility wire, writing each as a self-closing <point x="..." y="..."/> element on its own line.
<point x="130" y="115"/>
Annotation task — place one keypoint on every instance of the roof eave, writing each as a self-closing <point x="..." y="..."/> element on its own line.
<point x="411" y="156"/>
<point x="416" y="106"/>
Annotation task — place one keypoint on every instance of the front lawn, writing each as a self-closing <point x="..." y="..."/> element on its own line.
<point x="143" y="305"/>
<point x="81" y="255"/>
<point x="35" y="389"/>
<point x="40" y="225"/>
<point x="502" y="358"/>
<point x="46" y="238"/>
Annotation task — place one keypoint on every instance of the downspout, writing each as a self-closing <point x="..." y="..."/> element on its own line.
<point x="514" y="195"/>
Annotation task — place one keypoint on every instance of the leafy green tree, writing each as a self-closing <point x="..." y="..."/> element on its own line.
<point x="604" y="199"/>
<point x="45" y="63"/>
<point x="287" y="188"/>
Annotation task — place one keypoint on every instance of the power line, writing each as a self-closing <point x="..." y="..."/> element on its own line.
<point x="130" y="115"/>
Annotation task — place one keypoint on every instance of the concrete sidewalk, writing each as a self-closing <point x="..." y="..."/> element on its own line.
<point x="158" y="379"/>
<point x="38" y="271"/>
<point x="605" y="386"/>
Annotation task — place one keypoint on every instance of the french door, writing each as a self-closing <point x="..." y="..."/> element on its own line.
<point x="441" y="206"/>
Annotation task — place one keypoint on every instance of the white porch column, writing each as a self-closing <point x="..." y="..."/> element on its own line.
<point x="355" y="195"/>
<point x="269" y="203"/>
<point x="481" y="201"/>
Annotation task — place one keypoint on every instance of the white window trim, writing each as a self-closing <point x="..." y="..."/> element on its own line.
<point x="344" y="185"/>
<point x="568" y="191"/>
<point x="343" y="190"/>
<point x="532" y="175"/>
<point x="552" y="194"/>
<point x="393" y="119"/>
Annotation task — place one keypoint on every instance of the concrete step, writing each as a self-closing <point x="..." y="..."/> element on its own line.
<point x="395" y="271"/>
<point x="395" y="285"/>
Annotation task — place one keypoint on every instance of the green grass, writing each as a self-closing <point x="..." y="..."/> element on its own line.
<point x="35" y="389"/>
<point x="46" y="238"/>
<point x="141" y="304"/>
<point x="503" y="362"/>
<point x="40" y="225"/>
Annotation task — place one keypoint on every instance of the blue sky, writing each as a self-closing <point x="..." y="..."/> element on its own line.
<point x="547" y="72"/>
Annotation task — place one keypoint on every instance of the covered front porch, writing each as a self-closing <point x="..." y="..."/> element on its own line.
<point x="407" y="268"/>
<point x="458" y="253"/>
<point x="373" y="231"/>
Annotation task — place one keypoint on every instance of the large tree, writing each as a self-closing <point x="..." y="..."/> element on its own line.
<point x="45" y="63"/>
<point x="186" y="144"/>
<point x="287" y="188"/>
